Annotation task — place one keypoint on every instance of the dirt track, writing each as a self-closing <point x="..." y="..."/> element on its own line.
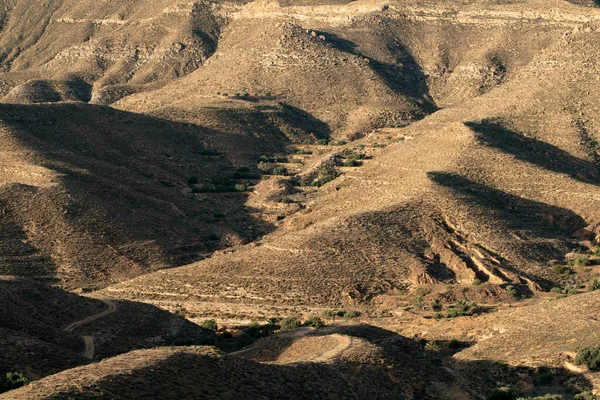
<point x="89" y="340"/>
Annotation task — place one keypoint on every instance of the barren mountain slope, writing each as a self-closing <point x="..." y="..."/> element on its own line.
<point x="100" y="51"/>
<point x="364" y="64"/>
<point x="91" y="194"/>
<point x="492" y="189"/>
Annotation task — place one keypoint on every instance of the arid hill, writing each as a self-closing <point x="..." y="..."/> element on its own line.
<point x="248" y="161"/>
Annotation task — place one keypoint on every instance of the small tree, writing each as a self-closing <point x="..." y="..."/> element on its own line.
<point x="503" y="393"/>
<point x="315" y="322"/>
<point x="511" y="293"/>
<point x="590" y="357"/>
<point x="290" y="323"/>
<point x="436" y="305"/>
<point x="210" y="324"/>
<point x="13" y="380"/>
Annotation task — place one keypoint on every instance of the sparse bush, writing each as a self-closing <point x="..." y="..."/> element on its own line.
<point x="556" y="290"/>
<point x="418" y="302"/>
<point x="328" y="313"/>
<point x="240" y="187"/>
<point x="477" y="282"/>
<point x="290" y="323"/>
<point x="590" y="357"/>
<point x="503" y="393"/>
<point x="596" y="252"/>
<point x="544" y="397"/>
<point x="210" y="324"/>
<point x="350" y="314"/>
<point x="315" y="322"/>
<point x="436" y="305"/>
<point x="437" y="316"/>
<point x="13" y="380"/>
<point x="593" y="285"/>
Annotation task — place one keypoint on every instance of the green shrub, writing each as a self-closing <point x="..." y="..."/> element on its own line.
<point x="590" y="357"/>
<point x="350" y="314"/>
<point x="477" y="282"/>
<point x="282" y="171"/>
<point x="328" y="313"/>
<point x="544" y="376"/>
<point x="503" y="393"/>
<point x="584" y="396"/>
<point x="511" y="292"/>
<point x="290" y="323"/>
<point x="593" y="285"/>
<point x="596" y="252"/>
<point x="13" y="380"/>
<point x="452" y="313"/>
<point x="210" y="324"/>
<point x="264" y="167"/>
<point x="352" y="163"/>
<point x="556" y="290"/>
<point x="432" y="346"/>
<point x="302" y="151"/>
<point x="315" y="322"/>
<point x="571" y="290"/>
<point x="581" y="261"/>
<point x="240" y="187"/>
<point x="436" y="305"/>
<point x="544" y="397"/>
<point x="437" y="316"/>
<point x="562" y="270"/>
<point x="460" y="308"/>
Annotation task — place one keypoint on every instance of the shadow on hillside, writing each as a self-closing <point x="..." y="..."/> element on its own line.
<point x="34" y="311"/>
<point x="545" y="155"/>
<point x="124" y="193"/>
<point x="405" y="76"/>
<point x="517" y="214"/>
<point x="18" y="257"/>
<point x="389" y="366"/>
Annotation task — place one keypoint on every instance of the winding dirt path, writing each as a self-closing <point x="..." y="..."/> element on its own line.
<point x="90" y="347"/>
